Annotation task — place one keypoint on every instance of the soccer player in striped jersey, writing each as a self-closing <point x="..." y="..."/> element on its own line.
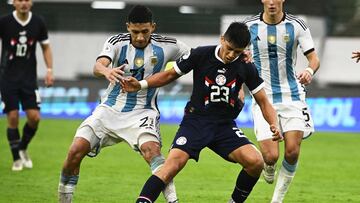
<point x="129" y="117"/>
<point x="275" y="37"/>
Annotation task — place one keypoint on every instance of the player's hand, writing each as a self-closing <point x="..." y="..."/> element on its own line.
<point x="356" y="55"/>
<point x="276" y="133"/>
<point x="49" y="78"/>
<point x="114" y="75"/>
<point x="247" y="57"/>
<point x="304" y="77"/>
<point x="130" y="84"/>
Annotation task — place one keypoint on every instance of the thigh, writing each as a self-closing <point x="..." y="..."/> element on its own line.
<point x="295" y="117"/>
<point x="228" y="138"/>
<point x="261" y="126"/>
<point x="247" y="155"/>
<point x="29" y="98"/>
<point x="193" y="135"/>
<point x="10" y="97"/>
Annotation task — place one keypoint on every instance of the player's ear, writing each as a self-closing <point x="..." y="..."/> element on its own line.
<point x="153" y="27"/>
<point x="127" y="27"/>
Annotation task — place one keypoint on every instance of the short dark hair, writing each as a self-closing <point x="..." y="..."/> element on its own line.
<point x="140" y="14"/>
<point x="238" y="34"/>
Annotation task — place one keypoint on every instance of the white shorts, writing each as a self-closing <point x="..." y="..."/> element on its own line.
<point x="106" y="127"/>
<point x="291" y="116"/>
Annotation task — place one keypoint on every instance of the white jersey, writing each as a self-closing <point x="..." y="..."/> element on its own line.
<point x="274" y="49"/>
<point x="142" y="63"/>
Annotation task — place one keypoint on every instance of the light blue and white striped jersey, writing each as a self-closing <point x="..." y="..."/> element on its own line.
<point x="274" y="49"/>
<point x="142" y="63"/>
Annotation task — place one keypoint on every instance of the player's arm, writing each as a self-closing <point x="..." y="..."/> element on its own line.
<point x="47" y="53"/>
<point x="305" y="77"/>
<point x="268" y="112"/>
<point x="157" y="80"/>
<point x="101" y="69"/>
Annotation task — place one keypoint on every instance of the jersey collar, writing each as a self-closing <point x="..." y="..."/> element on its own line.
<point x="23" y="23"/>
<point x="217" y="50"/>
<point x="262" y="18"/>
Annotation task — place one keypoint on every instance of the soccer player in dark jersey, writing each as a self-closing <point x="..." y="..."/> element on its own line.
<point x="19" y="33"/>
<point x="209" y="116"/>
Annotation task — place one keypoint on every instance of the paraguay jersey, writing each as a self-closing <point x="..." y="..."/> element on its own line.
<point x="18" y="52"/>
<point x="216" y="85"/>
<point x="274" y="49"/>
<point x="141" y="64"/>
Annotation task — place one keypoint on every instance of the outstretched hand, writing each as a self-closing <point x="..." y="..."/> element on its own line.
<point x="276" y="133"/>
<point x="130" y="84"/>
<point x="114" y="75"/>
<point x="356" y="55"/>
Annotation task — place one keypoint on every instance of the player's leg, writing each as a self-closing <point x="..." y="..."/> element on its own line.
<point x="269" y="149"/>
<point x="251" y="160"/>
<point x="289" y="164"/>
<point x="13" y="136"/>
<point x="83" y="141"/>
<point x="11" y="101"/>
<point x="30" y="101"/>
<point x="29" y="130"/>
<point x="270" y="152"/>
<point x="150" y="150"/>
<point x="175" y="161"/>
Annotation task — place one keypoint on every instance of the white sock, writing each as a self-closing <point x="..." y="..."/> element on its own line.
<point x="282" y="185"/>
<point x="169" y="191"/>
<point x="66" y="187"/>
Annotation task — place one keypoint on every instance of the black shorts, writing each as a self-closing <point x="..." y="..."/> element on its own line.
<point x="197" y="132"/>
<point x="12" y="96"/>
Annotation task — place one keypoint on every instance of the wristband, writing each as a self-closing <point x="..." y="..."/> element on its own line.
<point x="49" y="70"/>
<point x="143" y="84"/>
<point x="310" y="70"/>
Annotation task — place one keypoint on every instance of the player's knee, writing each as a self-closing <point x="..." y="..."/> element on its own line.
<point x="34" y="120"/>
<point x="291" y="155"/>
<point x="255" y="165"/>
<point x="150" y="150"/>
<point x="271" y="158"/>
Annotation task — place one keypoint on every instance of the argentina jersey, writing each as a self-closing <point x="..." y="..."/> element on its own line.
<point x="142" y="63"/>
<point x="274" y="49"/>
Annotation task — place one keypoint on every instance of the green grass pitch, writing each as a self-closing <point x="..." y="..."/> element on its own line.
<point x="328" y="171"/>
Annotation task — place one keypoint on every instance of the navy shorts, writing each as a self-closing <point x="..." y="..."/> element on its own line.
<point x="197" y="132"/>
<point x="12" y="96"/>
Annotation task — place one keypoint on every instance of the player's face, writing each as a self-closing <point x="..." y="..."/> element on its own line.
<point x="229" y="52"/>
<point x="273" y="7"/>
<point x="140" y="33"/>
<point x="22" y="6"/>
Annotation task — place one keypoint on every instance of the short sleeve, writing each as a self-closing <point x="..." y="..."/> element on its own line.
<point x="109" y="49"/>
<point x="186" y="63"/>
<point x="253" y="80"/>
<point x="305" y="41"/>
<point x="43" y="37"/>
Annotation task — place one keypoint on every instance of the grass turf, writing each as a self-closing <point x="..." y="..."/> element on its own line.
<point x="327" y="172"/>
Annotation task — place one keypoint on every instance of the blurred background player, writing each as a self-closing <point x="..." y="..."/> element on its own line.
<point x="129" y="117"/>
<point x="219" y="72"/>
<point x="19" y="32"/>
<point x="356" y="56"/>
<point x="275" y="37"/>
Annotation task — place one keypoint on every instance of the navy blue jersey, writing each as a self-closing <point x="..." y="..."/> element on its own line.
<point x="216" y="85"/>
<point x="19" y="39"/>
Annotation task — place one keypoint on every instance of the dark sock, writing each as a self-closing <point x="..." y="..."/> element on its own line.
<point x="28" y="134"/>
<point x="244" y="185"/>
<point x="151" y="190"/>
<point x="13" y="136"/>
